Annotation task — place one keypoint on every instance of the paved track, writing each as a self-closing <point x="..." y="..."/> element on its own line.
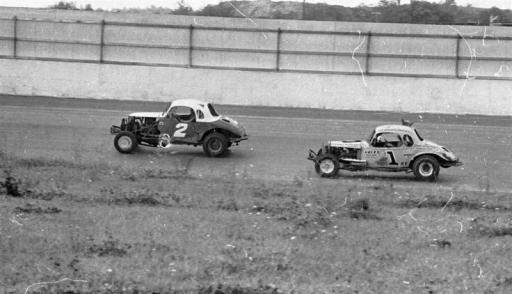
<point x="276" y="149"/>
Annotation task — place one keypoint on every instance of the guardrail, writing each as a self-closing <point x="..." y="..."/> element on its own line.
<point x="364" y="57"/>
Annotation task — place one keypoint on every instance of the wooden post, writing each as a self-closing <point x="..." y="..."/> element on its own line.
<point x="457" y="57"/>
<point x="15" y="37"/>
<point x="102" y="40"/>
<point x="278" y="51"/>
<point x="368" y="48"/>
<point x="191" y="46"/>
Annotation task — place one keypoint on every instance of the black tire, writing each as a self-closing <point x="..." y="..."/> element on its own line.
<point x="327" y="165"/>
<point x="125" y="142"/>
<point x="426" y="168"/>
<point x="215" y="144"/>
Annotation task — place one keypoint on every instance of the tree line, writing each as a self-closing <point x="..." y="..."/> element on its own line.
<point x="387" y="11"/>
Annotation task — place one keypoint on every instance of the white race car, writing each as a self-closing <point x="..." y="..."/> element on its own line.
<point x="391" y="148"/>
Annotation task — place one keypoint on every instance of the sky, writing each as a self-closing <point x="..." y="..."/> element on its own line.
<point x="197" y="4"/>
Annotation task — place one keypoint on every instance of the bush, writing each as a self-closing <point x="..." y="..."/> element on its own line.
<point x="11" y="185"/>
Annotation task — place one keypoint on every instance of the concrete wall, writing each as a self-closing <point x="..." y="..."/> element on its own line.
<point x="256" y="88"/>
<point x="296" y="89"/>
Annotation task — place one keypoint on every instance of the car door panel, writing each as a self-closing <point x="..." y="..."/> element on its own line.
<point x="389" y="154"/>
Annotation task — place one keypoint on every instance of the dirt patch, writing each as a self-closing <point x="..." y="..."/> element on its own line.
<point x="307" y="214"/>
<point x="228" y="205"/>
<point x="360" y="209"/>
<point x="440" y="243"/>
<point x="222" y="289"/>
<point x="31" y="208"/>
<point x="491" y="228"/>
<point x="109" y="247"/>
<point x="140" y="197"/>
<point x="435" y="202"/>
<point x="491" y="231"/>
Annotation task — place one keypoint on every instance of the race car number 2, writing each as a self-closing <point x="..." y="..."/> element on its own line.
<point x="180" y="130"/>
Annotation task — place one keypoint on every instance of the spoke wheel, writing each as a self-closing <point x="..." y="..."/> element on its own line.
<point x="125" y="142"/>
<point x="327" y="166"/>
<point x="215" y="144"/>
<point x="426" y="168"/>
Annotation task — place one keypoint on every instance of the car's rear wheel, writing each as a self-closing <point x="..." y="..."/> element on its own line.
<point x="426" y="168"/>
<point x="215" y="144"/>
<point x="125" y="142"/>
<point x="327" y="165"/>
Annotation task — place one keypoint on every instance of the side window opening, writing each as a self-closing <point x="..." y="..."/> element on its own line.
<point x="212" y="110"/>
<point x="371" y="139"/>
<point x="388" y="140"/>
<point x="200" y="114"/>
<point x="408" y="141"/>
<point x="183" y="114"/>
<point x="418" y="134"/>
<point x="397" y="142"/>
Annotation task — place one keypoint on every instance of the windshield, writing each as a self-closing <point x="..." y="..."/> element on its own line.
<point x="166" y="109"/>
<point x="371" y="136"/>
<point x="212" y="110"/>
<point x="418" y="134"/>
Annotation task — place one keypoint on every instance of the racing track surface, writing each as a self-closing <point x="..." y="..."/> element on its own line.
<point x="72" y="129"/>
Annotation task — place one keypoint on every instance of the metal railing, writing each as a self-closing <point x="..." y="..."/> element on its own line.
<point x="367" y="55"/>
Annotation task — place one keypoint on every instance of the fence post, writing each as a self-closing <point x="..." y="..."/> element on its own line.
<point x="457" y="57"/>
<point x="190" y="46"/>
<point x="278" y="51"/>
<point x="15" y="37"/>
<point x="368" y="48"/>
<point x="102" y="40"/>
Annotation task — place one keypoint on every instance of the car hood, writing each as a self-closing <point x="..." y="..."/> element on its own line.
<point x="147" y="114"/>
<point x="430" y="144"/>
<point x="357" y="144"/>
<point x="440" y="150"/>
<point x="231" y="125"/>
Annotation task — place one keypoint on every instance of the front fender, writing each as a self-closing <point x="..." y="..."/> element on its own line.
<point x="313" y="156"/>
<point x="441" y="158"/>
<point x="231" y="131"/>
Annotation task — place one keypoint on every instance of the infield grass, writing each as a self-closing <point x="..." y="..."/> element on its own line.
<point x="94" y="228"/>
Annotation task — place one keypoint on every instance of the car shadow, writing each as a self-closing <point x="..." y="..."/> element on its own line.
<point x="396" y="177"/>
<point x="188" y="151"/>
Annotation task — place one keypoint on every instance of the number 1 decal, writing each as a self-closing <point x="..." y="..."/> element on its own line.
<point x="392" y="158"/>
<point x="180" y="130"/>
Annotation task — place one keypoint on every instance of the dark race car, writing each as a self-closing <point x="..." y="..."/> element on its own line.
<point x="186" y="121"/>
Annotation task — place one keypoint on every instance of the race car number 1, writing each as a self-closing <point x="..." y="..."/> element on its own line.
<point x="392" y="158"/>
<point x="180" y="130"/>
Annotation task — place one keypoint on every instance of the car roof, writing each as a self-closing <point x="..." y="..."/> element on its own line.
<point x="394" y="128"/>
<point x="192" y="103"/>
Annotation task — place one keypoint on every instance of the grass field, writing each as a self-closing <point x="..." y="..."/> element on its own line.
<point x="78" y="227"/>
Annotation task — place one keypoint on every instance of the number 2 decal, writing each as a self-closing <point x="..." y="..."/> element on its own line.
<point x="180" y="130"/>
<point x="392" y="158"/>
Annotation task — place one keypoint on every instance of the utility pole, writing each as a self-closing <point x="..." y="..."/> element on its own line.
<point x="303" y="9"/>
<point x="412" y="11"/>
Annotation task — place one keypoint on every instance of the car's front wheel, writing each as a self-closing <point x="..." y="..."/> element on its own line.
<point x="125" y="142"/>
<point x="327" y="165"/>
<point x="426" y="168"/>
<point x="215" y="144"/>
